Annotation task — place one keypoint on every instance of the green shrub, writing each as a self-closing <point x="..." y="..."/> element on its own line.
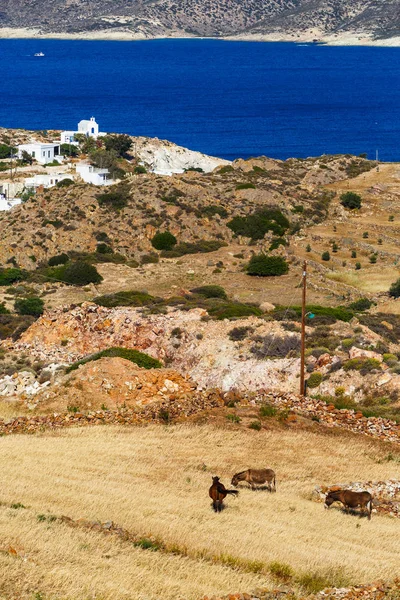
<point x="116" y="200"/>
<point x="326" y="256"/>
<point x="231" y="310"/>
<point x="365" y="235"/>
<point x="276" y="242"/>
<point x="210" y="291"/>
<point x="314" y="380"/>
<point x="11" y="275"/>
<point x="353" y="254"/>
<point x="103" y="248"/>
<point x="388" y="357"/>
<point x="308" y="248"/>
<point x="361" y="305"/>
<point x="364" y="365"/>
<point x="65" y="183"/>
<point x="262" y="265"/>
<point x="139" y="170"/>
<point x="233" y="418"/>
<point x="245" y="186"/>
<point x="256" y="425"/>
<point x="266" y="410"/>
<point x="148" y="259"/>
<point x="130" y="298"/>
<point x="199" y="247"/>
<point x="29" y="306"/>
<point x="164" y="241"/>
<point x="358" y="266"/>
<point x="394" y="290"/>
<point x="139" y="358"/>
<point x="256" y="225"/>
<point x="237" y="334"/>
<point x="59" y="259"/>
<point x="69" y="150"/>
<point x="214" y="209"/>
<point x="225" y="169"/>
<point x="350" y="200"/>
<point x="3" y="309"/>
<point x="79" y="273"/>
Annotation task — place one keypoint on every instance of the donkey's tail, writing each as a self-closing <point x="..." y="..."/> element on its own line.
<point x="274" y="483"/>
<point x="233" y="492"/>
<point x="369" y="507"/>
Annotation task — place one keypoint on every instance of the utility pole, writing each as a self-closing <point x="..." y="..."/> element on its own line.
<point x="303" y="331"/>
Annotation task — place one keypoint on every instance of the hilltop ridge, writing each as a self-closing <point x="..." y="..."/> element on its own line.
<point x="335" y="21"/>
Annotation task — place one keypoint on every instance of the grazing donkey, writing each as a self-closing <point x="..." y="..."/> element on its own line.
<point x="256" y="477"/>
<point x="351" y="499"/>
<point x="218" y="492"/>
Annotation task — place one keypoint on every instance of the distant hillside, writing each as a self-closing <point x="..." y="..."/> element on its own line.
<point x="150" y="18"/>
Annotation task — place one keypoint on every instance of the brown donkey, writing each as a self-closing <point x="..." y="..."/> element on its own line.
<point x="351" y="499"/>
<point x="218" y="492"/>
<point x="256" y="477"/>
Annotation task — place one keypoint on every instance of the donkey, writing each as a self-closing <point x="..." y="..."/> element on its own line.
<point x="256" y="477"/>
<point x="218" y="492"/>
<point x="351" y="499"/>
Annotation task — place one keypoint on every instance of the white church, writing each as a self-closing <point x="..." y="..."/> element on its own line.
<point x="88" y="128"/>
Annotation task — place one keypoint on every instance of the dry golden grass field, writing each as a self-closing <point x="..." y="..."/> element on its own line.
<point x="154" y="481"/>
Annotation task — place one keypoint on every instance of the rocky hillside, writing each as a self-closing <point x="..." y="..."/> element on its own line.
<point x="375" y="18"/>
<point x="193" y="206"/>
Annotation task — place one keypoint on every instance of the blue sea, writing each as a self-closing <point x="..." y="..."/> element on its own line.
<point x="229" y="99"/>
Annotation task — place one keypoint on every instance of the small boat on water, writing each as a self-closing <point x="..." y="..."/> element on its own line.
<point x="39" y="54"/>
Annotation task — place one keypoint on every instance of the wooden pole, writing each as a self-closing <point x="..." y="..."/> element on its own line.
<point x="303" y="331"/>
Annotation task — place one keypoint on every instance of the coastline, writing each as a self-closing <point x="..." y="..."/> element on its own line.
<point x="124" y="35"/>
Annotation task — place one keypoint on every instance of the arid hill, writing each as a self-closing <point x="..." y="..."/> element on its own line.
<point x="375" y="18"/>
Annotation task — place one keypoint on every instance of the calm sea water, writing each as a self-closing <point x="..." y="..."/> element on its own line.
<point x="228" y="99"/>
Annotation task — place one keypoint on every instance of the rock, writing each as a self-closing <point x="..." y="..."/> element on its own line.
<point x="267" y="307"/>
<point x="361" y="353"/>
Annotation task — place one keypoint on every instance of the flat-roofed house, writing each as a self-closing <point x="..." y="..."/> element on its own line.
<point x="42" y="153"/>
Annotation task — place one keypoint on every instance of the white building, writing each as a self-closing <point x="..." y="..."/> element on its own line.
<point x="88" y="128"/>
<point x="46" y="180"/>
<point x="10" y="192"/>
<point x="42" y="153"/>
<point x="91" y="174"/>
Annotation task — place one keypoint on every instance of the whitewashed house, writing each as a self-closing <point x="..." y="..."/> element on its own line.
<point x="42" y="153"/>
<point x="91" y="174"/>
<point x="47" y="180"/>
<point x="88" y="128"/>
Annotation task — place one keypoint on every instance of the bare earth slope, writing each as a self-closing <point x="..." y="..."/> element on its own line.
<point x="373" y="18"/>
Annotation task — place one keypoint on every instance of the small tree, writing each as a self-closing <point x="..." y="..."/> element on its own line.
<point x="120" y="143"/>
<point x="353" y="254"/>
<point x="262" y="265"/>
<point x="365" y="235"/>
<point x="29" y="306"/>
<point x="326" y="256"/>
<point x="394" y="290"/>
<point x="335" y="247"/>
<point x="350" y="200"/>
<point x="80" y="273"/>
<point x="164" y="241"/>
<point x="373" y="258"/>
<point x="308" y="248"/>
<point x="69" y="150"/>
<point x="358" y="266"/>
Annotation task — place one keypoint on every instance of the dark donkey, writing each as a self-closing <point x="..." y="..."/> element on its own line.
<point x="256" y="477"/>
<point x="218" y="492"/>
<point x="350" y="499"/>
